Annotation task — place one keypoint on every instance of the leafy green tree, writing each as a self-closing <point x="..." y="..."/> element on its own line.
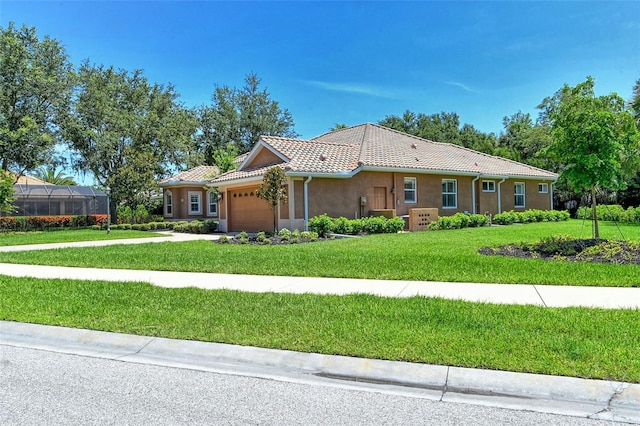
<point x="36" y="82"/>
<point x="595" y="139"/>
<point x="338" y="126"/>
<point x="273" y="190"/>
<point x="526" y="140"/>
<point x="240" y="116"/>
<point x="7" y="192"/>
<point x="224" y="157"/>
<point x="443" y="127"/>
<point x="54" y="177"/>
<point x="126" y="131"/>
<point x="635" y="102"/>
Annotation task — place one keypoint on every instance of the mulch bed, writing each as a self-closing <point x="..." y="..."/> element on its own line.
<point x="599" y="251"/>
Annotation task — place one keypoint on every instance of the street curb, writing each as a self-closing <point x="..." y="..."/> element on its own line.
<point x="596" y="399"/>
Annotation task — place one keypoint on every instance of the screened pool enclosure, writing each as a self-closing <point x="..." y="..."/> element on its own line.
<point x="54" y="200"/>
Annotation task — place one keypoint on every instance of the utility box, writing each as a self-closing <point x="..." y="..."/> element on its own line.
<point x="419" y="219"/>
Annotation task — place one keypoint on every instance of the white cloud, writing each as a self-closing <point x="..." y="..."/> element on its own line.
<point x="358" y="89"/>
<point x="462" y="86"/>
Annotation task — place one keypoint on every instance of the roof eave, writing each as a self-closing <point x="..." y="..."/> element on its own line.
<point x="177" y="183"/>
<point x="234" y="182"/>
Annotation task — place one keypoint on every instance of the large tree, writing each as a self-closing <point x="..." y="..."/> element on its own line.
<point x="442" y="127"/>
<point x="36" y="82"/>
<point x="7" y="193"/>
<point x="635" y="102"/>
<point x="525" y="140"/>
<point x="126" y="131"/>
<point x="240" y="116"/>
<point x="595" y="139"/>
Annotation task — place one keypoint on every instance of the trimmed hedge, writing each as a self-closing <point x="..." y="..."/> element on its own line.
<point x="31" y="223"/>
<point x="323" y="225"/>
<point x="458" y="221"/>
<point x="529" y="216"/>
<point x="612" y="212"/>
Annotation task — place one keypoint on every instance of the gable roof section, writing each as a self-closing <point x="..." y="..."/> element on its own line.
<point x="344" y="152"/>
<point x="196" y="175"/>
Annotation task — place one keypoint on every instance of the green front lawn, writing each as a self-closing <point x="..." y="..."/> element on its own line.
<point x="67" y="235"/>
<point x="579" y="342"/>
<point x="432" y="256"/>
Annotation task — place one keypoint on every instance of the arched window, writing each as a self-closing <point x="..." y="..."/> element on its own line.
<point x="168" y="203"/>
<point x="212" y="203"/>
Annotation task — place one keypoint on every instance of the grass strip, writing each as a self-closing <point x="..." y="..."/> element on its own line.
<point x="432" y="256"/>
<point x="578" y="342"/>
<point x="68" y="235"/>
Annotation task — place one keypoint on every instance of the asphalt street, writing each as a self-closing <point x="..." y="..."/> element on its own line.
<point x="44" y="388"/>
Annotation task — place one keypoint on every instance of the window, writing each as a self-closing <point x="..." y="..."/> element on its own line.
<point x="213" y="203"/>
<point x="543" y="188"/>
<point x="194" y="202"/>
<point x="410" y="190"/>
<point x="168" y="203"/>
<point x="519" y="192"/>
<point x="488" y="186"/>
<point x="449" y="193"/>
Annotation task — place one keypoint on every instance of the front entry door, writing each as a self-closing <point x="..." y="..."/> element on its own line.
<point x="379" y="197"/>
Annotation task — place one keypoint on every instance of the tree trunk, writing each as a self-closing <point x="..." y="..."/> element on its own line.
<point x="596" y="231"/>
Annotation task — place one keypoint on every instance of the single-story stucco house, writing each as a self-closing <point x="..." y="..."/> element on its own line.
<point x="355" y="172"/>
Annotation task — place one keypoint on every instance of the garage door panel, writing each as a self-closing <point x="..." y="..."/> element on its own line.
<point x="248" y="212"/>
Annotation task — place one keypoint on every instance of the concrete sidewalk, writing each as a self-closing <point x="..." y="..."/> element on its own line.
<point x="165" y="236"/>
<point x="550" y="296"/>
<point x="595" y="399"/>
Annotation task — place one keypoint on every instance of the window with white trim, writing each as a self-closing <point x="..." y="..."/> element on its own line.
<point x="195" y="200"/>
<point x="410" y="190"/>
<point x="543" y="188"/>
<point x="488" y="186"/>
<point x="519" y="194"/>
<point x="212" y="204"/>
<point x="168" y="203"/>
<point x="449" y="193"/>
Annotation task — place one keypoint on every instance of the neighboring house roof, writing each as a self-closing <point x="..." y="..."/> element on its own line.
<point x="345" y="152"/>
<point x="196" y="175"/>
<point x="28" y="180"/>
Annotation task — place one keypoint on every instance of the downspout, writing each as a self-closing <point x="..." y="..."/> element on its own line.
<point x="306" y="203"/>
<point x="500" y="195"/>
<point x="473" y="194"/>
<point x="551" y="192"/>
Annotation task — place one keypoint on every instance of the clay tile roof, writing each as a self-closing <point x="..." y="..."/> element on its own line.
<point x="372" y="147"/>
<point x="197" y="174"/>
<point x="241" y="174"/>
<point x="29" y="180"/>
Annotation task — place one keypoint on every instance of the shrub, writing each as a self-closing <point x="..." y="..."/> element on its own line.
<point x="394" y="225"/>
<point x="528" y="216"/>
<point x="374" y="224"/>
<point x="477" y="220"/>
<point x="242" y="237"/>
<point x="321" y="224"/>
<point x="262" y="238"/>
<point x="285" y="234"/>
<point x="342" y="225"/>
<point x="223" y="239"/>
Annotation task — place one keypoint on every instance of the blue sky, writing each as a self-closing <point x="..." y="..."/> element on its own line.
<point x="356" y="62"/>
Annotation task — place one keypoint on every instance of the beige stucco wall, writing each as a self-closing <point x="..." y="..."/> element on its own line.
<point x="341" y="197"/>
<point x="264" y="158"/>
<point x="181" y="203"/>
